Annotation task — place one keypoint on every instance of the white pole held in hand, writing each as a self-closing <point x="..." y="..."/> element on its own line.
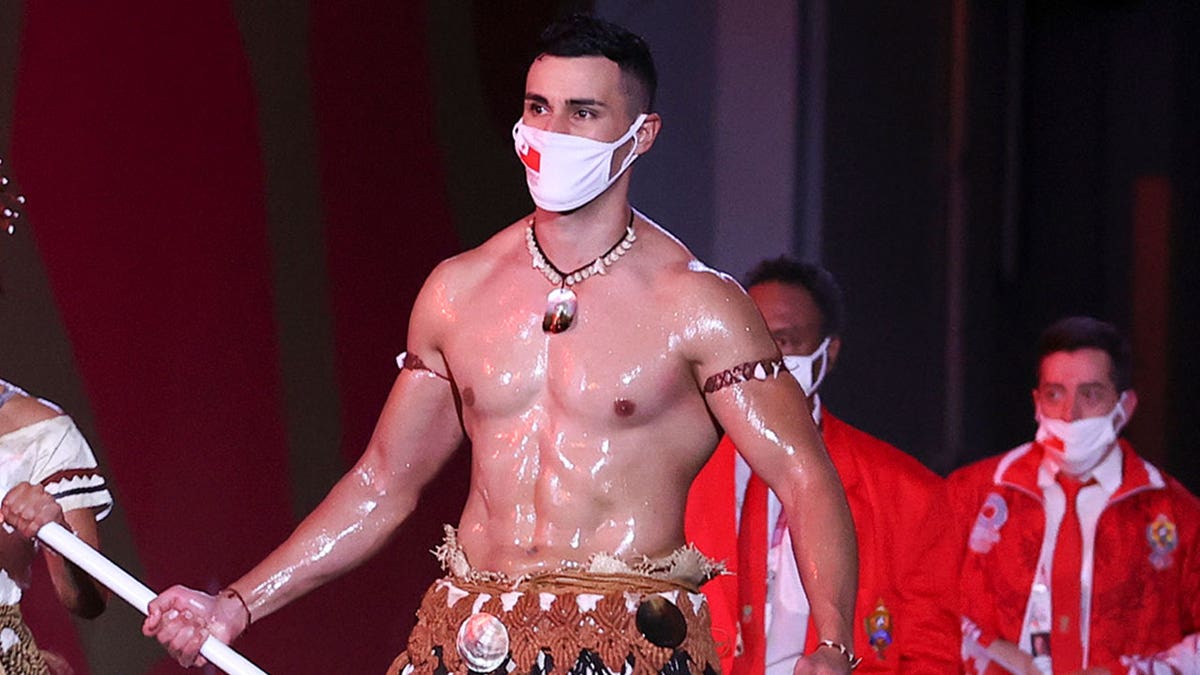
<point x="135" y="592"/>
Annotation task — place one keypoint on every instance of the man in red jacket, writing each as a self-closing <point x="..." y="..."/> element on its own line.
<point x="904" y="614"/>
<point x="1078" y="555"/>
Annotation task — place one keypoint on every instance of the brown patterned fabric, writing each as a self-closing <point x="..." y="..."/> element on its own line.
<point x="23" y="657"/>
<point x="750" y="370"/>
<point x="570" y="636"/>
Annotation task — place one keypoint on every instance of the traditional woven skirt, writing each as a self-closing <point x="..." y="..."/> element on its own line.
<point x="639" y="621"/>
<point x="19" y="654"/>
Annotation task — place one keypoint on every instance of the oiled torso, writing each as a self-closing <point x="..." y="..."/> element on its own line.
<point x="584" y="441"/>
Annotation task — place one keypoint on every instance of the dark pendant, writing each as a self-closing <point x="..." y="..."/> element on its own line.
<point x="560" y="310"/>
<point x="661" y="622"/>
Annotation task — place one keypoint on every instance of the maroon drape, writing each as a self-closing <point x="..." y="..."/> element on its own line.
<point x="136" y="130"/>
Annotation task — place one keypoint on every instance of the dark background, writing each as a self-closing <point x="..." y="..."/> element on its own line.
<point x="232" y="205"/>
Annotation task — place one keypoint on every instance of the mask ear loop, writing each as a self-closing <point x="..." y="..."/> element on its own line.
<point x="822" y="352"/>
<point x="1119" y="417"/>
<point x="633" y="153"/>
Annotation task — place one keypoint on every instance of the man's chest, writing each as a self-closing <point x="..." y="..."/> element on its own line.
<point x="608" y="363"/>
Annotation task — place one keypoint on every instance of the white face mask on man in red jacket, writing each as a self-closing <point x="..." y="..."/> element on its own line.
<point x="1080" y="445"/>
<point x="801" y="367"/>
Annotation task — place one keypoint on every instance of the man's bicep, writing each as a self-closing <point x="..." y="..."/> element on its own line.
<point x="768" y="422"/>
<point x="740" y="372"/>
<point x="728" y="337"/>
<point x="426" y="327"/>
<point x="417" y="432"/>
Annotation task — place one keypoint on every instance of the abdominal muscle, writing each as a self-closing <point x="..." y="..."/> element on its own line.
<point x="543" y="499"/>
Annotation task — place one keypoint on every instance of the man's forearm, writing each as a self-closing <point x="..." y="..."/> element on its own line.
<point x="353" y="522"/>
<point x="76" y="589"/>
<point x="825" y="546"/>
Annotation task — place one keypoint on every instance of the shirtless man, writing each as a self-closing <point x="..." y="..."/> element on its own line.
<point x="589" y="412"/>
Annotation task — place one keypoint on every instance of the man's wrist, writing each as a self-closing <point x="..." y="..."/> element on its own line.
<point x="843" y="650"/>
<point x="235" y="599"/>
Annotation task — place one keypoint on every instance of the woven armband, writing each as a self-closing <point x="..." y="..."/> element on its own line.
<point x="764" y="369"/>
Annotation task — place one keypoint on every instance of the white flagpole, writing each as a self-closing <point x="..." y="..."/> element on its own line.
<point x="135" y="592"/>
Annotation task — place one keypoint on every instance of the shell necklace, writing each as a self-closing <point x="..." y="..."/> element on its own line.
<point x="561" y="303"/>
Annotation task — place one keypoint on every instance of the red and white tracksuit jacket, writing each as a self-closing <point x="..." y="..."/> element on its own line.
<point x="1146" y="574"/>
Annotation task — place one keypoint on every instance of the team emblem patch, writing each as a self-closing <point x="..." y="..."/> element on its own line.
<point x="1163" y="540"/>
<point x="879" y="628"/>
<point x="992" y="516"/>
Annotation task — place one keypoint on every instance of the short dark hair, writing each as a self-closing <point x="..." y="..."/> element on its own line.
<point x="583" y="35"/>
<point x="1073" y="333"/>
<point x="817" y="280"/>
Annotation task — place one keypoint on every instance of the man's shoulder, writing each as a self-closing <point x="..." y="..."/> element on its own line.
<point x="24" y="411"/>
<point x="674" y="263"/>
<point x="983" y="471"/>
<point x="1178" y="492"/>
<point x="1162" y="485"/>
<point x="476" y="263"/>
<point x="456" y="283"/>
<point x="710" y="306"/>
<point x="701" y="290"/>
<point x="704" y="291"/>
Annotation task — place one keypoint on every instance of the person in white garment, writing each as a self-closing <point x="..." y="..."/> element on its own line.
<point x="47" y="474"/>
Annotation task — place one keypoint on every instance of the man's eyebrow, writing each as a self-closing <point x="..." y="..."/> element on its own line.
<point x="594" y="102"/>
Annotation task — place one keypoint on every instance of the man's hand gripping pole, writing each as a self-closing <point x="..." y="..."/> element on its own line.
<point x="134" y="592"/>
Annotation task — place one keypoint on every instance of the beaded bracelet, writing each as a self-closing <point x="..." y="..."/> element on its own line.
<point x="230" y="591"/>
<point x="843" y="650"/>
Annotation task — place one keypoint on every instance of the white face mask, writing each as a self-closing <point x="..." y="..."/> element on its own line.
<point x="564" y="172"/>
<point x="1084" y="442"/>
<point x="801" y="367"/>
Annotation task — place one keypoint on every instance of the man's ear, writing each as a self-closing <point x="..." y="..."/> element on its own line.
<point x="648" y="132"/>
<point x="831" y="353"/>
<point x="1129" y="404"/>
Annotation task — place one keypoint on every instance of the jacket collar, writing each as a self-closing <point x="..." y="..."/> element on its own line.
<point x="1019" y="469"/>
